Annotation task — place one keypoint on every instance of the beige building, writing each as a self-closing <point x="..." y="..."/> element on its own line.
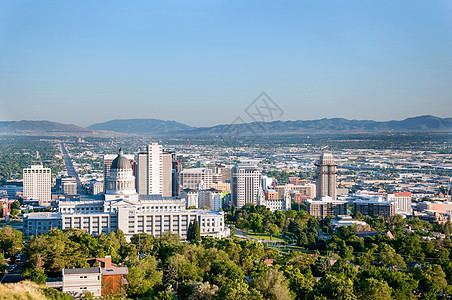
<point x="222" y="186"/>
<point x="246" y="184"/>
<point x="326" y="177"/>
<point x="167" y="173"/>
<point x="307" y="189"/>
<point x="37" y="184"/>
<point x="150" y="170"/>
<point x="70" y="188"/>
<point x="192" y="178"/>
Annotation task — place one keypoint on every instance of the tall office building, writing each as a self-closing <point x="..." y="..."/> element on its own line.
<point x="150" y="170"/>
<point x="326" y="177"/>
<point x="108" y="159"/>
<point x="167" y="174"/>
<point x="246" y="184"/>
<point x="37" y="184"/>
<point x="154" y="176"/>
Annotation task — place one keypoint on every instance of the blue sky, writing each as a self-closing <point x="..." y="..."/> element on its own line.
<point x="203" y="62"/>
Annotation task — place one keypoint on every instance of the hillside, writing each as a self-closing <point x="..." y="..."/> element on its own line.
<point x="141" y="126"/>
<point x="155" y="127"/>
<point x="335" y="125"/>
<point x="17" y="127"/>
<point x="27" y="290"/>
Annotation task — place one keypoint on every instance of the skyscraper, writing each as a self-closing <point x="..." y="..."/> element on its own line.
<point x="246" y="184"/>
<point x="167" y="174"/>
<point x="37" y="184"/>
<point x="326" y="177"/>
<point x="154" y="174"/>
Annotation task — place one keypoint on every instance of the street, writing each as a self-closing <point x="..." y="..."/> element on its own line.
<point x="14" y="276"/>
<point x="71" y="170"/>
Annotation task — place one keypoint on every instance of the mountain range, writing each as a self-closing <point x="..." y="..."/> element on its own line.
<point x="156" y="127"/>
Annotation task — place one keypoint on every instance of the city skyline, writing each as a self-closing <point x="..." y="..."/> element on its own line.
<point x="203" y="63"/>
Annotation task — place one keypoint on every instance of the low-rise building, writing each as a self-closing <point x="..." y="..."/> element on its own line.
<point x="326" y="207"/>
<point x="345" y="221"/>
<point x="79" y="280"/>
<point x="375" y="207"/>
<point x="39" y="223"/>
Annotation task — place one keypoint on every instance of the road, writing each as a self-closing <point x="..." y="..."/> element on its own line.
<point x="71" y="170"/>
<point x="14" y="276"/>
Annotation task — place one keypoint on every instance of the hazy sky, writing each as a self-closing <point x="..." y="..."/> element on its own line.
<point x="203" y="62"/>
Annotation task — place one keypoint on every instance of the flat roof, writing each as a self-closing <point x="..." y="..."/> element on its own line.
<point x="43" y="215"/>
<point x="115" y="271"/>
<point x="95" y="270"/>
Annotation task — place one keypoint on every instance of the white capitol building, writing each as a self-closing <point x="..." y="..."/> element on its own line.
<point x="122" y="208"/>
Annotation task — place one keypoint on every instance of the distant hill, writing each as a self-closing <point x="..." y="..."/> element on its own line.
<point x="40" y="127"/>
<point x="335" y="125"/>
<point x="141" y="126"/>
<point x="155" y="127"/>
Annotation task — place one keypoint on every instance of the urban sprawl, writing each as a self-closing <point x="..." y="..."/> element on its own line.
<point x="328" y="205"/>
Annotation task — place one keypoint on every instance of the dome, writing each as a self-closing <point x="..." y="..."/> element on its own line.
<point x="121" y="162"/>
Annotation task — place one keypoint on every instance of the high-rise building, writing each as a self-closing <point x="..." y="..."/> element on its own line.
<point x="108" y="159"/>
<point x="167" y="174"/>
<point x="150" y="170"/>
<point x="154" y="175"/>
<point x="326" y="177"/>
<point x="37" y="184"/>
<point x="246" y="184"/>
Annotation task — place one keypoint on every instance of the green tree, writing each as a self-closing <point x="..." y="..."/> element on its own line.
<point x="321" y="266"/>
<point x="181" y="269"/>
<point x="193" y="233"/>
<point x="143" y="276"/>
<point x="331" y="287"/>
<point x="35" y="275"/>
<point x="15" y="205"/>
<point x="10" y="241"/>
<point x="237" y="289"/>
<point x="371" y="288"/>
<point x="202" y="291"/>
<point x="402" y="284"/>
<point x="255" y="222"/>
<point x="273" y="285"/>
<point x="388" y="257"/>
<point x="271" y="229"/>
<point x="298" y="282"/>
<point x="144" y="242"/>
<point x="223" y="271"/>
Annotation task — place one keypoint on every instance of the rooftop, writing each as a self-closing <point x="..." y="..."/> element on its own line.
<point x="43" y="215"/>
<point x="115" y="271"/>
<point x="73" y="271"/>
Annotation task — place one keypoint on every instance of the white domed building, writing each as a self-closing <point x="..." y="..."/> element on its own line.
<point x="121" y="180"/>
